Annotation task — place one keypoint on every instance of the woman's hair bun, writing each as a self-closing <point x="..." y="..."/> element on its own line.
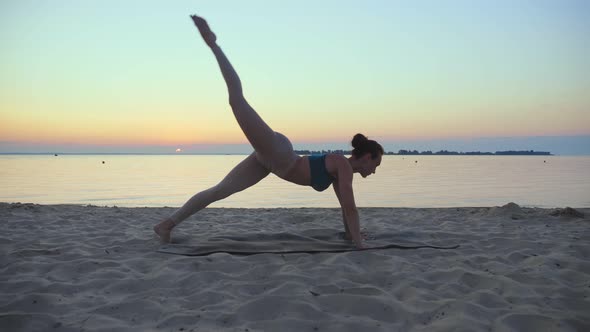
<point x="359" y="140"/>
<point x="362" y="145"/>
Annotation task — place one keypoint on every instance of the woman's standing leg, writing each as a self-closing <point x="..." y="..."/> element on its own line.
<point x="246" y="174"/>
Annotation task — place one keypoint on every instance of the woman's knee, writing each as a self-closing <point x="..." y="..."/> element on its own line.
<point x="222" y="190"/>
<point x="217" y="193"/>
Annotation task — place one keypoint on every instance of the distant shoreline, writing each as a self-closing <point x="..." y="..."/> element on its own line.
<point x="300" y="152"/>
<point x="439" y="153"/>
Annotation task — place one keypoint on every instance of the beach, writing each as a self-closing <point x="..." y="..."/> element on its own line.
<point x="93" y="268"/>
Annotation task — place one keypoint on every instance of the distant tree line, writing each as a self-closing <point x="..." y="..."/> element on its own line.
<point x="439" y="153"/>
<point x="475" y="153"/>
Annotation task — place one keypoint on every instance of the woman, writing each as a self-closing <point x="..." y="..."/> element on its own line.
<point x="274" y="153"/>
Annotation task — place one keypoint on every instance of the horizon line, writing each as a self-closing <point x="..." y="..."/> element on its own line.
<point x="298" y="151"/>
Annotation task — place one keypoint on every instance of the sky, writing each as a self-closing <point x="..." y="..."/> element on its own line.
<point x="135" y="76"/>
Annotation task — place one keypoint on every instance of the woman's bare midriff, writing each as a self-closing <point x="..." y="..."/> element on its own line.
<point x="299" y="173"/>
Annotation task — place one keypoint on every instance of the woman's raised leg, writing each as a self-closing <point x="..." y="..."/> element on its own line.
<point x="246" y="174"/>
<point x="258" y="133"/>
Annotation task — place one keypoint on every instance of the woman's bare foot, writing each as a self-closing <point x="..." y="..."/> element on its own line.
<point x="164" y="229"/>
<point x="204" y="29"/>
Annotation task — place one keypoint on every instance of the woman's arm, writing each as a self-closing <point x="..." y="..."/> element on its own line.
<point x="346" y="230"/>
<point x="344" y="192"/>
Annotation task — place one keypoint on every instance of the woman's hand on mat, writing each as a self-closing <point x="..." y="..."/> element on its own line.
<point x="204" y="29"/>
<point x="364" y="236"/>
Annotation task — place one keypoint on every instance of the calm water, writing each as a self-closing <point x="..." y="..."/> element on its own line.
<point x="169" y="180"/>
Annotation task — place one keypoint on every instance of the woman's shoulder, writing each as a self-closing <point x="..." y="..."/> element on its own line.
<point x="334" y="157"/>
<point x="336" y="163"/>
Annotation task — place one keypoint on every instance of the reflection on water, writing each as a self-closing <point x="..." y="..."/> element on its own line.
<point x="400" y="181"/>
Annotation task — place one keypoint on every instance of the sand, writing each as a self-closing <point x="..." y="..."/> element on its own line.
<point x="88" y="268"/>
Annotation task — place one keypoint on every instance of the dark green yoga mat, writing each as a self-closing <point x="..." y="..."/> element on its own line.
<point x="286" y="243"/>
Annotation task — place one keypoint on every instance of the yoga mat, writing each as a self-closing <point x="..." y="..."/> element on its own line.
<point x="285" y="243"/>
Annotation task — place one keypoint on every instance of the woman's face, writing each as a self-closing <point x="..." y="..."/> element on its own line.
<point x="369" y="165"/>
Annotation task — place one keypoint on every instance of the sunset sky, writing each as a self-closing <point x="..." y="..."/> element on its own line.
<point x="135" y="76"/>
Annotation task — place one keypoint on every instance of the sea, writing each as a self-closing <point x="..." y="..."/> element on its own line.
<point x="401" y="181"/>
